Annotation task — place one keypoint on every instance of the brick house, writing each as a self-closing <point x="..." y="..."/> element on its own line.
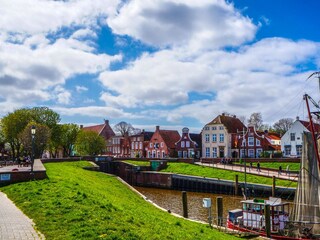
<point x="189" y="145"/>
<point x="162" y="143"/>
<point x="121" y="146"/>
<point x="139" y="143"/>
<point x="105" y="131"/>
<point x="219" y="137"/>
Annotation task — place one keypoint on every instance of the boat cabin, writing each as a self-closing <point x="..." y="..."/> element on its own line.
<point x="252" y="214"/>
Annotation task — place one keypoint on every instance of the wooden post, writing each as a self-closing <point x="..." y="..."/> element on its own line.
<point x="185" y="204"/>
<point x="220" y="210"/>
<point x="267" y="219"/>
<point x="236" y="185"/>
<point x="273" y="186"/>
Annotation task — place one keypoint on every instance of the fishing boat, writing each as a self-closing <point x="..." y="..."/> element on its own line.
<point x="302" y="219"/>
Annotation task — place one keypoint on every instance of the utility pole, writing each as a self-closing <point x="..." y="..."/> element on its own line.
<point x="245" y="164"/>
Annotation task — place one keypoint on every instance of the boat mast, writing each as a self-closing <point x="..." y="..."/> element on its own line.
<point x="315" y="145"/>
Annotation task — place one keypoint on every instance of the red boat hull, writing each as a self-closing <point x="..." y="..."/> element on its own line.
<point x="232" y="226"/>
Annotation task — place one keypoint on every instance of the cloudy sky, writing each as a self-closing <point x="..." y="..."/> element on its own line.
<point x="172" y="63"/>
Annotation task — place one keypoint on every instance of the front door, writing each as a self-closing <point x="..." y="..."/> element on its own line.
<point x="221" y="152"/>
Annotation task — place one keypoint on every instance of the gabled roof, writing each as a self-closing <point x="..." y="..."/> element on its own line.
<point x="232" y="124"/>
<point x="147" y="135"/>
<point x="196" y="137"/>
<point x="97" y="128"/>
<point x="307" y="125"/>
<point x="170" y="137"/>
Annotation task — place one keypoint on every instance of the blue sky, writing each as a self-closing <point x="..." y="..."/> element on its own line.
<point x="155" y="62"/>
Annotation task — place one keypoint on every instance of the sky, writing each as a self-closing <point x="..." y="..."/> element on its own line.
<point x="172" y="63"/>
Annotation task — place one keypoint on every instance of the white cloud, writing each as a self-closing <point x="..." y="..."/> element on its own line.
<point x="197" y="25"/>
<point x="81" y="89"/>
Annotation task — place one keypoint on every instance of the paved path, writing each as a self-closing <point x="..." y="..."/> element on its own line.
<point x="13" y="223"/>
<point x="253" y="170"/>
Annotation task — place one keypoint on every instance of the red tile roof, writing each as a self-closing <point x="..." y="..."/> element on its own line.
<point x="232" y="124"/>
<point x="307" y="126"/>
<point x="170" y="137"/>
<point x="96" y="128"/>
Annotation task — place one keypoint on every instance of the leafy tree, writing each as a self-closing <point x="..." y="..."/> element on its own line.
<point x="45" y="116"/>
<point x="124" y="129"/>
<point x="41" y="138"/>
<point x="256" y="120"/>
<point x="69" y="133"/>
<point x="89" y="143"/>
<point x="12" y="125"/>
<point x="283" y="125"/>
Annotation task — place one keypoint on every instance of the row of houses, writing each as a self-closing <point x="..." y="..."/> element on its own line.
<point x="224" y="137"/>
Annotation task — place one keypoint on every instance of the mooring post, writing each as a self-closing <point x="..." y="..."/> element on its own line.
<point x="220" y="211"/>
<point x="185" y="204"/>
<point x="273" y="186"/>
<point x="267" y="219"/>
<point x="236" y="185"/>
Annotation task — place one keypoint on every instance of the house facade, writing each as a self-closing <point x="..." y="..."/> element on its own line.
<point x="139" y="142"/>
<point x="105" y="131"/>
<point x="121" y="146"/>
<point x="291" y="141"/>
<point x="162" y="143"/>
<point x="189" y="145"/>
<point x="219" y="137"/>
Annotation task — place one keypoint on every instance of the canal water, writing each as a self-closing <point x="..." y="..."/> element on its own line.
<point x="172" y="200"/>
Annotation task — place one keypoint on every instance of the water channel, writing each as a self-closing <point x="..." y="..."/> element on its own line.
<point x="172" y="200"/>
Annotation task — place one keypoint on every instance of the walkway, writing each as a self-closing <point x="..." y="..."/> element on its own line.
<point x="253" y="170"/>
<point x="14" y="224"/>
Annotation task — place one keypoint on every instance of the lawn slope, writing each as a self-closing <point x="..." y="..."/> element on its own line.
<point x="79" y="204"/>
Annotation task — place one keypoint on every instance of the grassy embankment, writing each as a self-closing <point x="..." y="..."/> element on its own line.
<point x="79" y="204"/>
<point x="203" y="171"/>
<point x="275" y="165"/>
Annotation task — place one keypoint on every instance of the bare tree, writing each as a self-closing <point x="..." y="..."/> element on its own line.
<point x="124" y="129"/>
<point x="283" y="125"/>
<point x="256" y="120"/>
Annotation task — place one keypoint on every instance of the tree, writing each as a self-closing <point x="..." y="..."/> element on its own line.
<point x="41" y="138"/>
<point x="69" y="133"/>
<point x="124" y="129"/>
<point x="45" y="116"/>
<point x="89" y="143"/>
<point x="256" y="120"/>
<point x="283" y="125"/>
<point x="13" y="124"/>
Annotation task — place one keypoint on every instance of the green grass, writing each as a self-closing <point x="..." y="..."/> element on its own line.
<point x="203" y="171"/>
<point x="275" y="165"/>
<point x="138" y="163"/>
<point x="79" y="204"/>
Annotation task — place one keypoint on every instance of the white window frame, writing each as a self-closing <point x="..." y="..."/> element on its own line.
<point x="182" y="144"/>
<point x="214" y="152"/>
<point x="207" y="152"/>
<point x="187" y="144"/>
<point x="221" y="137"/>
<point x="214" y="137"/>
<point x="207" y="137"/>
<point x="251" y="141"/>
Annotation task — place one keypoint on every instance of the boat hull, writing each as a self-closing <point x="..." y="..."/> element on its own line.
<point x="232" y="226"/>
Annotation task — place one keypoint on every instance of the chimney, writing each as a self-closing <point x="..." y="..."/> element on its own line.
<point x="81" y="126"/>
<point x="297" y="118"/>
<point x="106" y="122"/>
<point x="157" y="128"/>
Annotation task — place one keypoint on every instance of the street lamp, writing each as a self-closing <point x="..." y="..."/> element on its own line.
<point x="33" y="133"/>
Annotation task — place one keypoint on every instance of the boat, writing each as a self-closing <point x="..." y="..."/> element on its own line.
<point x="300" y="221"/>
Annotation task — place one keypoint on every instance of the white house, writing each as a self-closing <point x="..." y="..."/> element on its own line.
<point x="291" y="141"/>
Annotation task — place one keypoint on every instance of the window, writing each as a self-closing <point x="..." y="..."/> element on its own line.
<point x="187" y="144"/>
<point x="221" y="137"/>
<point x="258" y="143"/>
<point x="151" y="145"/>
<point x="214" y="128"/>
<point x="206" y="128"/>
<point x="207" y="137"/>
<point x="259" y="151"/>
<point x="137" y="145"/>
<point x="179" y="154"/>
<point x="161" y="144"/>
<point x="250" y="141"/>
<point x="140" y="145"/>
<point x="207" y="152"/>
<point x="185" y="154"/>
<point x="251" y="153"/>
<point x="214" y="137"/>
<point x="299" y="150"/>
<point x="214" y="152"/>
<point x="292" y="136"/>
<point x="287" y="150"/>
<point x="221" y="128"/>
<point x="132" y="145"/>
<point x="182" y="144"/>
<point x="163" y="154"/>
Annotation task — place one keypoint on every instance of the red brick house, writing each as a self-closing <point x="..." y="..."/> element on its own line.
<point x="189" y="145"/>
<point x="105" y="131"/>
<point x="121" y="146"/>
<point x="139" y="142"/>
<point x="252" y="143"/>
<point x="162" y="143"/>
